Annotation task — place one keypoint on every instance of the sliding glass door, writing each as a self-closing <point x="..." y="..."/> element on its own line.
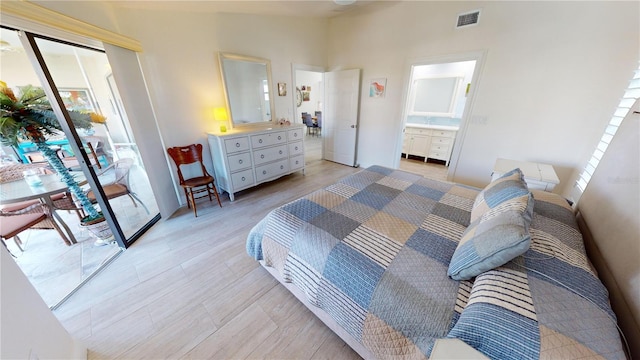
<point x="101" y="155"/>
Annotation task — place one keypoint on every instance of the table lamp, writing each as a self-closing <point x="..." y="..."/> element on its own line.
<point x="220" y="115"/>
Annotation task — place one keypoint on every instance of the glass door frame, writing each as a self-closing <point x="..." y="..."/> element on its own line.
<point x="42" y="71"/>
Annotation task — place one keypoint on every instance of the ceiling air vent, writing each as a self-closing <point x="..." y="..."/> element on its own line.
<point x="468" y="19"/>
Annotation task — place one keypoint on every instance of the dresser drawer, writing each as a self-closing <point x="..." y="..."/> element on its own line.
<point x="296" y="148"/>
<point x="438" y="155"/>
<point x="417" y="131"/>
<point x="239" y="161"/>
<point x="271" y="170"/>
<point x="444" y="133"/>
<point x="441" y="140"/>
<point x="236" y="144"/>
<point x="295" y="134"/>
<point x="272" y="138"/>
<point x="439" y="148"/>
<point x="269" y="154"/>
<point x="296" y="162"/>
<point x="242" y="179"/>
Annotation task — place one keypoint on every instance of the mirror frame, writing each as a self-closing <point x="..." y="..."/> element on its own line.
<point x="229" y="56"/>
<point x="448" y="103"/>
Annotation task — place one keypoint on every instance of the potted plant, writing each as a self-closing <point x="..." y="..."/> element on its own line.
<point x="29" y="116"/>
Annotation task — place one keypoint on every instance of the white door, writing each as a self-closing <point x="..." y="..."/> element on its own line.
<point x="340" y="121"/>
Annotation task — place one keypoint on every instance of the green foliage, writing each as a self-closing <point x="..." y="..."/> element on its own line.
<point x="31" y="114"/>
<point x="30" y="117"/>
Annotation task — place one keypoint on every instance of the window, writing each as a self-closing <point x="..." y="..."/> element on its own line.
<point x="631" y="94"/>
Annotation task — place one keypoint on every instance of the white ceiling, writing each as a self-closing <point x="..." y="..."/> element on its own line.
<point x="306" y="8"/>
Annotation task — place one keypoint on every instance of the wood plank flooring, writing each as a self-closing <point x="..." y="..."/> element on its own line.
<point x="188" y="290"/>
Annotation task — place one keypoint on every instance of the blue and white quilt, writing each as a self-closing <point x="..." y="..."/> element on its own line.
<point x="372" y="250"/>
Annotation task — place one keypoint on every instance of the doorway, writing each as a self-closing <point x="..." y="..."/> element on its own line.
<point x="308" y="98"/>
<point x="436" y="106"/>
<point x="103" y="154"/>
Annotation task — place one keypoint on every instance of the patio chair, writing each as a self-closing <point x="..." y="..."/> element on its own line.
<point x="37" y="216"/>
<point x="120" y="186"/>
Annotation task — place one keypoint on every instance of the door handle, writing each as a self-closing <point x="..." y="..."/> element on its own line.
<point x="353" y="126"/>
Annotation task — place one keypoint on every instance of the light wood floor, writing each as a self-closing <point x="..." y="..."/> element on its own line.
<point x="187" y="289"/>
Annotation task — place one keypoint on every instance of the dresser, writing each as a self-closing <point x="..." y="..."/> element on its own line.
<point x="428" y="142"/>
<point x="246" y="157"/>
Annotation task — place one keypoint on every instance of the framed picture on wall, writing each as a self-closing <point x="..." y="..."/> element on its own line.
<point x="282" y="89"/>
<point x="77" y="99"/>
<point x="377" y="87"/>
<point x="306" y="96"/>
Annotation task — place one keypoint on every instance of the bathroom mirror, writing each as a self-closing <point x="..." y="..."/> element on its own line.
<point x="434" y="96"/>
<point x="247" y="87"/>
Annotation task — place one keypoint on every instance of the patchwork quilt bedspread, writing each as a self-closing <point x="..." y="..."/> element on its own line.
<point x="372" y="250"/>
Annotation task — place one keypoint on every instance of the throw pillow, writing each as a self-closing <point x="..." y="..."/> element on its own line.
<point x="500" y="230"/>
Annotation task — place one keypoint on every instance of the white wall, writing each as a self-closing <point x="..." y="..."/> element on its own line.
<point x="181" y="65"/>
<point x="550" y="83"/>
<point x="29" y="329"/>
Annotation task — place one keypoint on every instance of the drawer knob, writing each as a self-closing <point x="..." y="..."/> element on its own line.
<point x="260" y="141"/>
<point x="244" y="178"/>
<point x="237" y="144"/>
<point x="264" y="172"/>
<point x="280" y="152"/>
<point x="295" y="134"/>
<point x="240" y="161"/>
<point x="281" y="167"/>
<point x="262" y="156"/>
<point x="296" y="148"/>
<point x="279" y="137"/>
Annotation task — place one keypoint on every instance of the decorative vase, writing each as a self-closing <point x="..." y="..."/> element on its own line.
<point x="99" y="229"/>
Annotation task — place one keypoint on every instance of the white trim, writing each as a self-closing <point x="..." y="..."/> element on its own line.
<point x="40" y="20"/>
<point x="477" y="56"/>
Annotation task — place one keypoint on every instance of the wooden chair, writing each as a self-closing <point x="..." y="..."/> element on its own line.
<point x="70" y="161"/>
<point x="185" y="155"/>
<point x="34" y="217"/>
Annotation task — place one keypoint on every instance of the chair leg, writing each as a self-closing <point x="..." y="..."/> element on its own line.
<point x="18" y="242"/>
<point x="215" y="191"/>
<point x="134" y="196"/>
<point x="62" y="235"/>
<point x="186" y="195"/>
<point x="132" y="200"/>
<point x="193" y="202"/>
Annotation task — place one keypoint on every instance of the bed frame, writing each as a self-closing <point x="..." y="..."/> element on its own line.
<point x="321" y="314"/>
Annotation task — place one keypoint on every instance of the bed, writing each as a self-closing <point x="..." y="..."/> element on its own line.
<point x="373" y="256"/>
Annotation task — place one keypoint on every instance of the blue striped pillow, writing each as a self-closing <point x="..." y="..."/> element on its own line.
<point x="499" y="230"/>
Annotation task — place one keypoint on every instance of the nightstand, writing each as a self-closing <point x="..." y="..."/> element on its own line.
<point x="537" y="176"/>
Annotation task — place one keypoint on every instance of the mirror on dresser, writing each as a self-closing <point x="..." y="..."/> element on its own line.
<point x="247" y="87"/>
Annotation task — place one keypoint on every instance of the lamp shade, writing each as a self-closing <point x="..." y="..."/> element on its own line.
<point x="220" y="114"/>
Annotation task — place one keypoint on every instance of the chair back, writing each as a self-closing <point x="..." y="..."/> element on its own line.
<point x="319" y="118"/>
<point x="307" y="119"/>
<point x="121" y="169"/>
<point x="14" y="172"/>
<point x="185" y="155"/>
